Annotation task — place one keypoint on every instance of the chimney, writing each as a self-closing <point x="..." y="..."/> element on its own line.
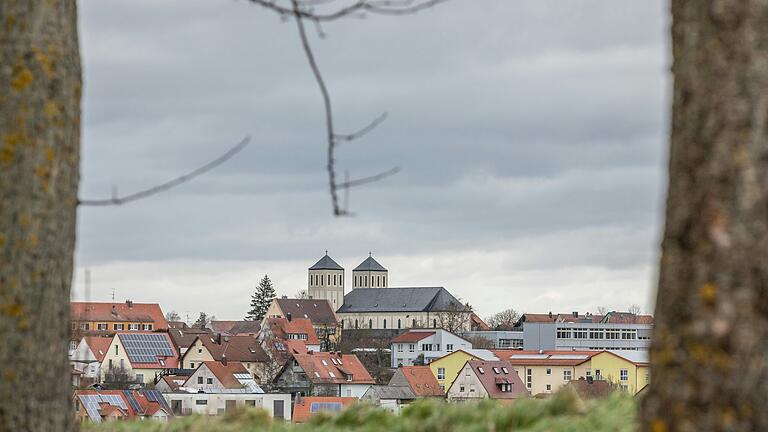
<point x="129" y="303"/>
<point x="226" y="338"/>
<point x="114" y="311"/>
<point x="550" y="314"/>
<point x="218" y="338"/>
<point x="288" y="316"/>
<point x="284" y="297"/>
<point x="575" y="314"/>
<point x="224" y="359"/>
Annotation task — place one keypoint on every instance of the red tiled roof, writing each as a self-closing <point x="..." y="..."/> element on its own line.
<point x="319" y="366"/>
<point x="627" y="318"/>
<point x="490" y="380"/>
<point x="225" y="374"/>
<point x="236" y="348"/>
<point x="317" y="311"/>
<point x="281" y="328"/>
<point x="412" y="336"/>
<point x="119" y="312"/>
<point x="223" y="326"/>
<point x="146" y="406"/>
<point x="538" y="318"/>
<point x="174" y="381"/>
<point x="422" y="381"/>
<point x="302" y="406"/>
<point x="98" y="345"/>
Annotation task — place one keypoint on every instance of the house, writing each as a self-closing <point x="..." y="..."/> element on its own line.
<point x="400" y="308"/>
<point x="614" y="317"/>
<point x="389" y="397"/>
<point x="421" y="346"/>
<point x="446" y="368"/>
<point x="236" y="328"/>
<point x="324" y="374"/>
<point x="306" y="407"/>
<point x="113" y="405"/>
<point x="88" y="356"/>
<point x="477" y="323"/>
<point x="222" y="377"/>
<point x="285" y="329"/>
<point x="629" y="370"/>
<point x="419" y="379"/>
<point x="544" y="372"/>
<point x="243" y="349"/>
<point x="138" y="357"/>
<point x="481" y="379"/>
<point x="277" y="405"/>
<point x="318" y="311"/>
<point x="184" y="337"/>
<point x="94" y="318"/>
<point x="171" y="383"/>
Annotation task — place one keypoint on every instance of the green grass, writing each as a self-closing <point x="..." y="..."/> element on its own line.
<point x="562" y="413"/>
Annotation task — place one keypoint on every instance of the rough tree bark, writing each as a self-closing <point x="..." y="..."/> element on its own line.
<point x="40" y="88"/>
<point x="709" y="356"/>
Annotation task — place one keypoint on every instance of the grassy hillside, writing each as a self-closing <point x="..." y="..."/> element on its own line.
<point x="562" y="413"/>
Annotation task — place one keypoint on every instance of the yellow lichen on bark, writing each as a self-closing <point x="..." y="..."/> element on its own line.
<point x="21" y="79"/>
<point x="708" y="294"/>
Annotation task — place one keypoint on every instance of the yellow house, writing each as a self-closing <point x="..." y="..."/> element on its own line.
<point x="627" y="369"/>
<point x="545" y="372"/>
<point x="447" y="367"/>
<point x="138" y="357"/>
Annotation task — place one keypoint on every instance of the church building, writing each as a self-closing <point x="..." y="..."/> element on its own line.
<point x="372" y="304"/>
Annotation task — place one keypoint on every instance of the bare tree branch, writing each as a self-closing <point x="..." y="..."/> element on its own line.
<point x="355" y="135"/>
<point x="116" y="200"/>
<point x="370" y="179"/>
<point x="355" y="9"/>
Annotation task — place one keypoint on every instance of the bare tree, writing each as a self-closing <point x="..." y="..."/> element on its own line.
<point x="455" y="318"/>
<point x="504" y="320"/>
<point x="602" y="310"/>
<point x="172" y="316"/>
<point x="708" y="350"/>
<point x="634" y="309"/>
<point x="302" y="294"/>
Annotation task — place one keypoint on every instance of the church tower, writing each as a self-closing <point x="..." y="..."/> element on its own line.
<point x="370" y="274"/>
<point x="326" y="281"/>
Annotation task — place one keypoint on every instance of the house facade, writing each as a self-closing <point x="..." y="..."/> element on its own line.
<point x="545" y="372"/>
<point x="277" y="405"/>
<point x="114" y="405"/>
<point x="242" y="349"/>
<point x="318" y="311"/>
<point x="88" y="356"/>
<point x="288" y="329"/>
<point x="102" y="318"/>
<point x="222" y="377"/>
<point x="479" y="379"/>
<point x="422" y="346"/>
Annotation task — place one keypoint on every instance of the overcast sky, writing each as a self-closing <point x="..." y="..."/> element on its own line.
<point x="531" y="137"/>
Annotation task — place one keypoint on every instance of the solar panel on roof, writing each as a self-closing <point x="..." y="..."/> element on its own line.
<point x="325" y="406"/>
<point x="156" y="396"/>
<point x="146" y="347"/>
<point x="131" y="400"/>
<point x="91" y="403"/>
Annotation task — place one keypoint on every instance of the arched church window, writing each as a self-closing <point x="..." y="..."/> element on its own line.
<point x="355" y="322"/>
<point x="398" y="323"/>
<point x="385" y="323"/>
<point x="434" y="323"/>
<point x="370" y="323"/>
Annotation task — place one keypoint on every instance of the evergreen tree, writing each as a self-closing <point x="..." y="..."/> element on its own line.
<point x="202" y="321"/>
<point x="261" y="299"/>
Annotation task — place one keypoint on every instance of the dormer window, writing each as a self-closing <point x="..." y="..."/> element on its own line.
<point x="481" y="370"/>
<point x="331" y="374"/>
<point x="505" y="370"/>
<point x="496" y="370"/>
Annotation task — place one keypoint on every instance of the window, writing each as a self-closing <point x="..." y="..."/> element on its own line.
<point x="399" y="347"/>
<point x="139" y="377"/>
<point x="331" y="374"/>
<point x="118" y="326"/>
<point x="116" y="349"/>
<point x="549" y="371"/>
<point x="366" y="281"/>
<point x="398" y="323"/>
<point x="434" y="323"/>
<point x="481" y="370"/>
<point x="133" y="327"/>
<point x="528" y="377"/>
<point x="356" y="323"/>
<point x="370" y="323"/>
<point x="426" y="347"/>
<point x="449" y="347"/>
<point x="199" y="350"/>
<point x="505" y="370"/>
<point x="413" y="323"/>
<point x="199" y="380"/>
<point x="411" y="347"/>
<point x="471" y="388"/>
<point x="209" y="381"/>
<point x="563" y="333"/>
<point x="334" y="279"/>
<point x="122" y="363"/>
<point x="385" y="323"/>
<point x="251" y="403"/>
<point x="549" y="387"/>
<point x="588" y="373"/>
<point x="598" y="375"/>
<point x="325" y="363"/>
<point x="148" y="327"/>
<point x="461" y="388"/>
<point x="102" y="326"/>
<point x="466" y="371"/>
<point x="191" y="365"/>
<point x="624" y="375"/>
<point x="201" y="402"/>
<point x="110" y="363"/>
<point x="385" y="280"/>
<point x="72" y="345"/>
<point x="85" y="326"/>
<point x="496" y="370"/>
<point x="566" y="375"/>
<point x="441" y="373"/>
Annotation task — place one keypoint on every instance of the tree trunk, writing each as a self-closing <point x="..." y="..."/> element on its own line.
<point x="709" y="356"/>
<point x="40" y="89"/>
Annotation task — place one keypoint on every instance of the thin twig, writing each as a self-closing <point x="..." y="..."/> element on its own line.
<point x="370" y="179"/>
<point x="116" y="200"/>
<point x="355" y="135"/>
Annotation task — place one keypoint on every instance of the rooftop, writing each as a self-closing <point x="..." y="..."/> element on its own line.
<point x="326" y="263"/>
<point x="415" y="299"/>
<point x="370" y="264"/>
<point x="119" y="312"/>
<point x="317" y="311"/>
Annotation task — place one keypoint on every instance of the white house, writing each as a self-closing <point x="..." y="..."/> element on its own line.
<point x="429" y="343"/>
<point x="86" y="358"/>
<point x="278" y="405"/>
<point x="222" y="377"/>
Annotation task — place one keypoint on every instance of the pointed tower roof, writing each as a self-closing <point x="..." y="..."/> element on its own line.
<point x="370" y="264"/>
<point x="326" y="263"/>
